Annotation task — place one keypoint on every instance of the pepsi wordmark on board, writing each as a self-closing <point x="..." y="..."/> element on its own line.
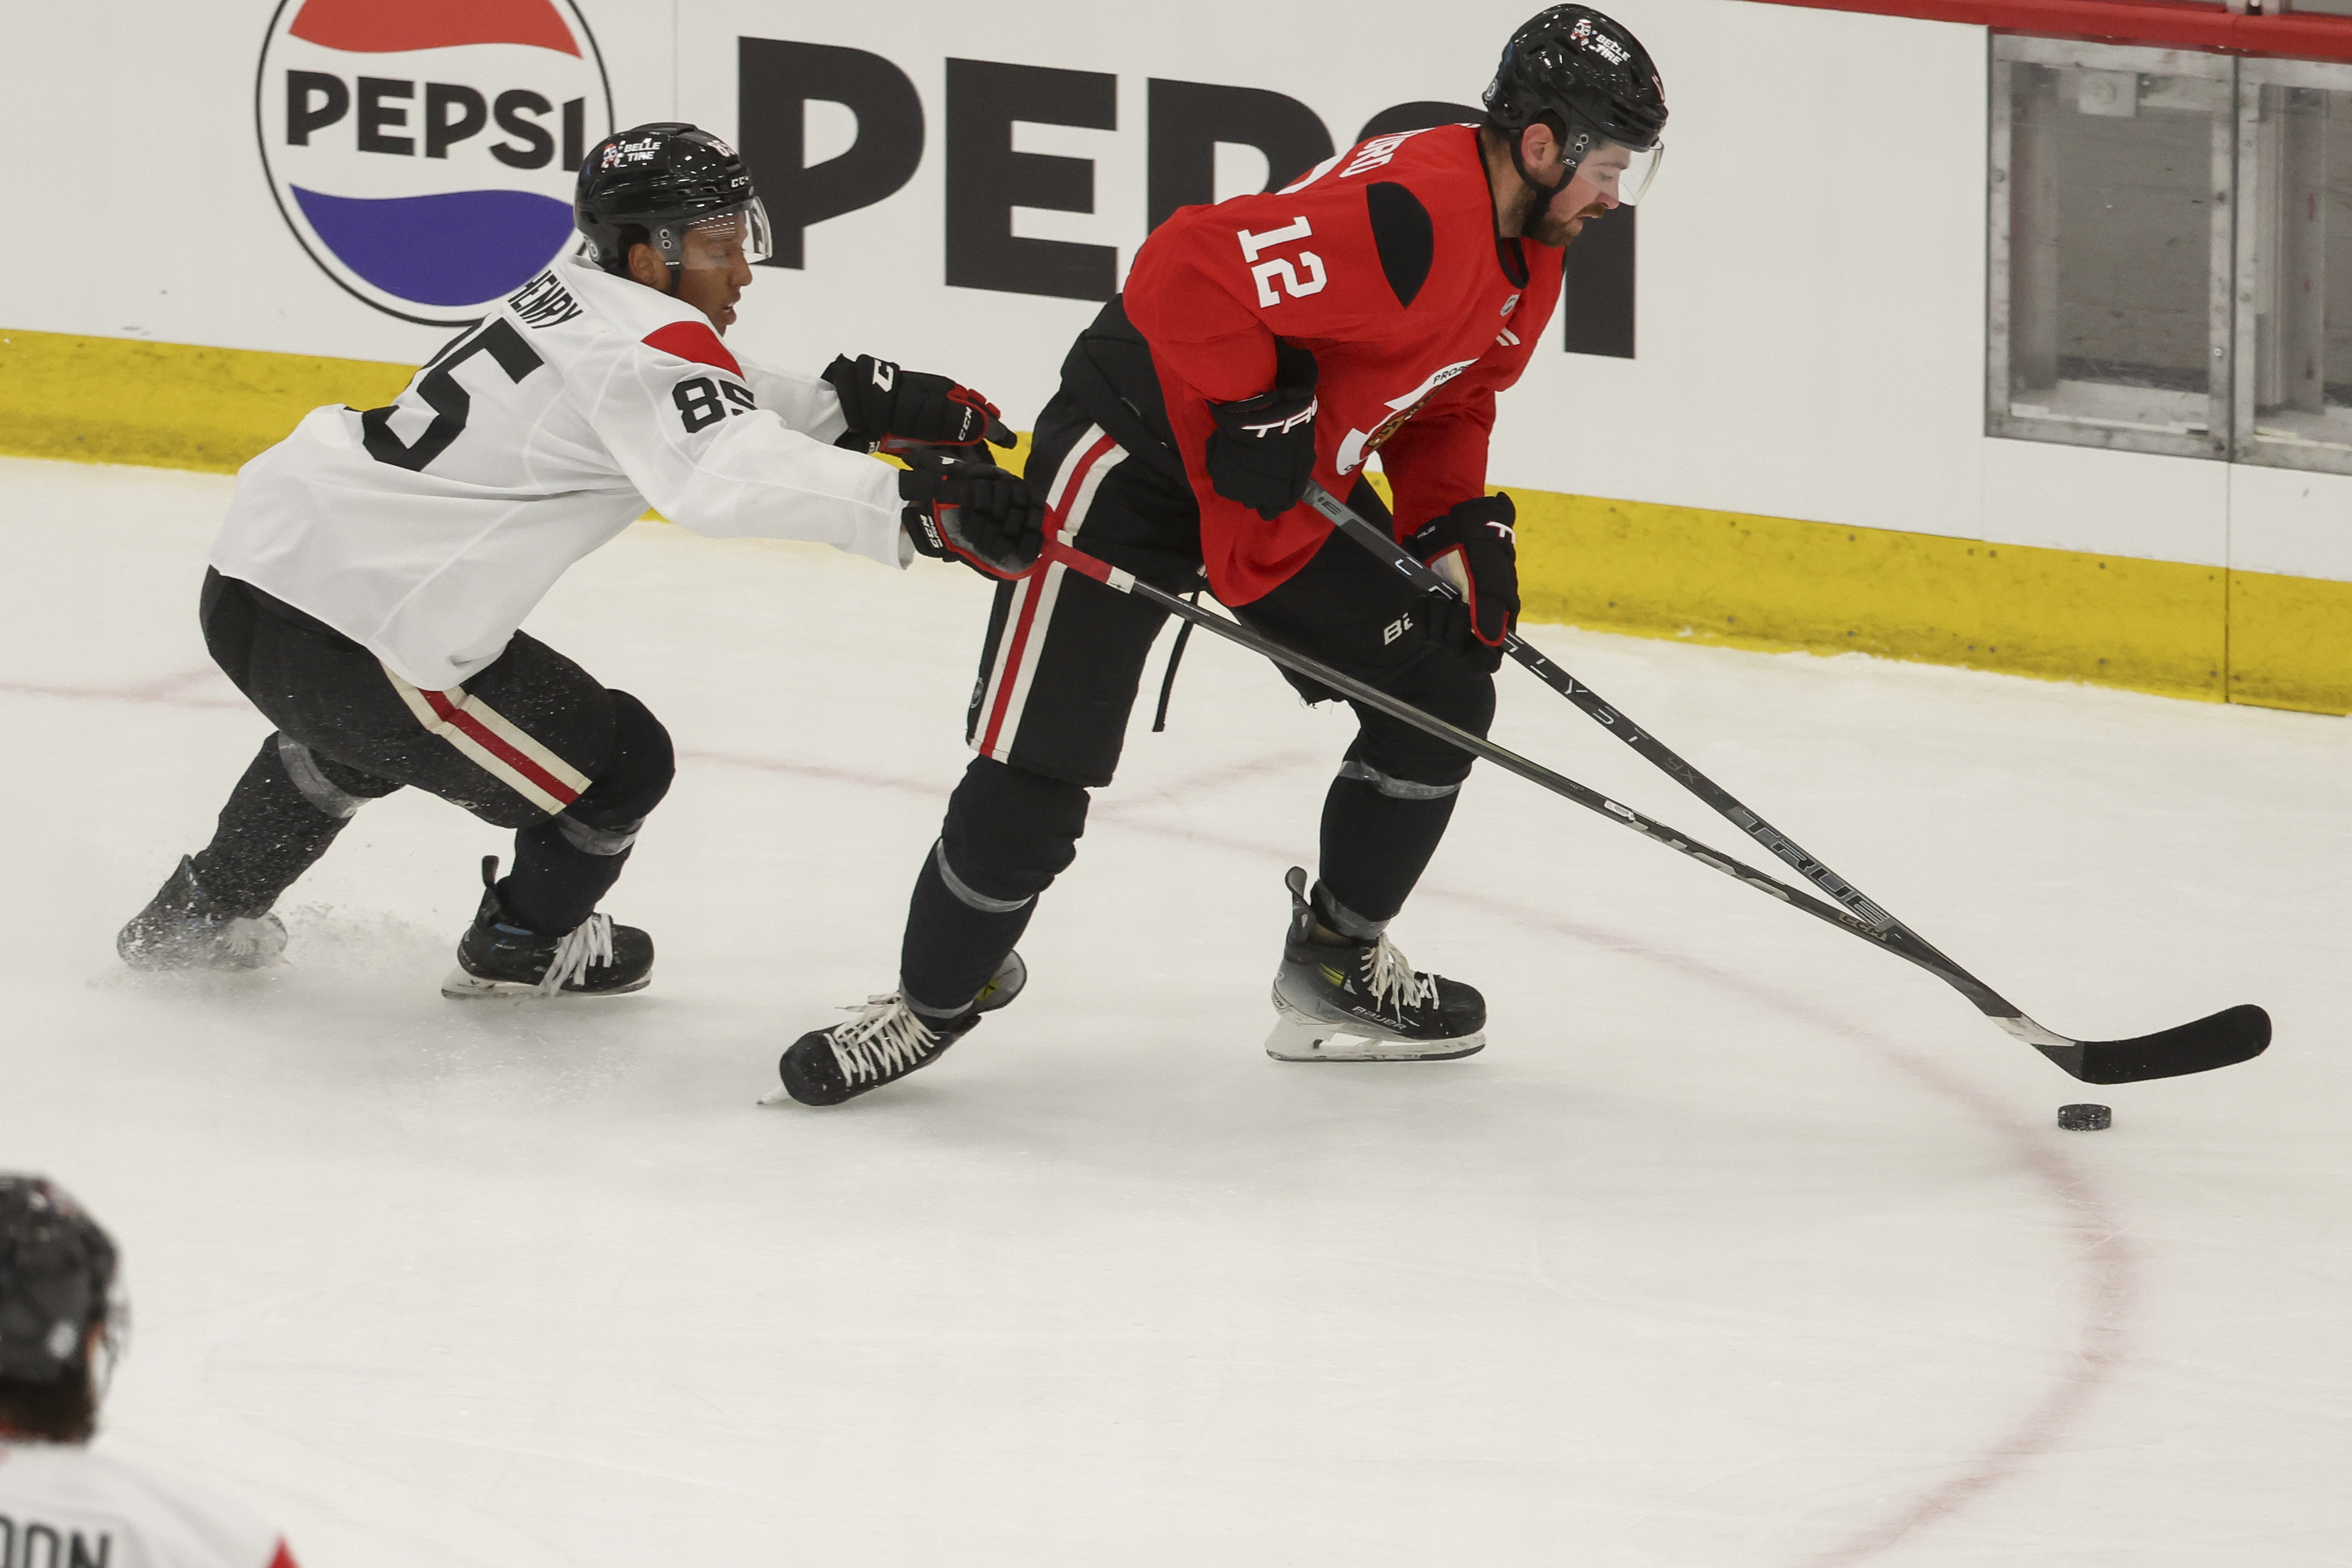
<point x="987" y="178"/>
<point x="425" y="156"/>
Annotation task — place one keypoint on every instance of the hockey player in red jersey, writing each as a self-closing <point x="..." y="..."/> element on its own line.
<point x="61" y="1501"/>
<point x="368" y="588"/>
<point x="1376" y="305"/>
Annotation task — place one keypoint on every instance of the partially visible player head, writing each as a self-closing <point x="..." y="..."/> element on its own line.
<point x="1576" y="108"/>
<point x="672" y="207"/>
<point x="60" y="1323"/>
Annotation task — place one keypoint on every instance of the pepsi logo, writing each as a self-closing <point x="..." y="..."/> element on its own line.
<point x="424" y="153"/>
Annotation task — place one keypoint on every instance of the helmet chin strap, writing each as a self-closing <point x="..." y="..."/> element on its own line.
<point x="1547" y="194"/>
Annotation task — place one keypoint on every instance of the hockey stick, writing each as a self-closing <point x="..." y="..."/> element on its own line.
<point x="2233" y="1035"/>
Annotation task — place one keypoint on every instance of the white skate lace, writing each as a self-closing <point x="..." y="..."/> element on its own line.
<point x="887" y="1037"/>
<point x="585" y="944"/>
<point x="1388" y="973"/>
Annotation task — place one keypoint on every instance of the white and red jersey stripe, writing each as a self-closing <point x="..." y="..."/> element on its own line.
<point x="1005" y="695"/>
<point x="501" y="748"/>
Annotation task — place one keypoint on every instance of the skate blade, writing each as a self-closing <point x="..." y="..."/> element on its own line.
<point x="1298" y="1038"/>
<point x="461" y="986"/>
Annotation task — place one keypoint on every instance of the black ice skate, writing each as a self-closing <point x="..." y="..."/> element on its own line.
<point x="1361" y="1001"/>
<point x="183" y="928"/>
<point x="497" y="957"/>
<point x="886" y="1040"/>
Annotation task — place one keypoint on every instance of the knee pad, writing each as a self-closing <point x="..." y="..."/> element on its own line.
<point x="637" y="772"/>
<point x="1390" y="750"/>
<point x="637" y="769"/>
<point x="1009" y="833"/>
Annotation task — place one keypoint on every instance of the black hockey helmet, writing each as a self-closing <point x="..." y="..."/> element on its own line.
<point x="653" y="184"/>
<point x="56" y="1278"/>
<point x="1585" y="70"/>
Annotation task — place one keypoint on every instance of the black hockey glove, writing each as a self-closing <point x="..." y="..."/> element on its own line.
<point x="890" y="408"/>
<point x="1475" y="548"/>
<point x="1262" y="452"/>
<point x="973" y="512"/>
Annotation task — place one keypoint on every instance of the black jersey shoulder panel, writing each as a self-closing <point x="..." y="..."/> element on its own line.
<point x="1400" y="229"/>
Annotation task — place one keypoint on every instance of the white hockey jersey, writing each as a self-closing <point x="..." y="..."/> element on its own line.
<point x="425" y="531"/>
<point x="65" y="1505"/>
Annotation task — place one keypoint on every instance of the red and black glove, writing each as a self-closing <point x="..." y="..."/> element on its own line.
<point x="1475" y="548"/>
<point x="888" y="408"/>
<point x="977" y="513"/>
<point x="1262" y="452"/>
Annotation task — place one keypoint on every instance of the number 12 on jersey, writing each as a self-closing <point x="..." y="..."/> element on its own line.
<point x="1256" y="244"/>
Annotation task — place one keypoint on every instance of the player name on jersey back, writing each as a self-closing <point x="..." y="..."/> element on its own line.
<point x="64" y="1506"/>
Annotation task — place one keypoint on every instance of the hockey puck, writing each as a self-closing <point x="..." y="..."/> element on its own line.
<point x="2085" y="1118"/>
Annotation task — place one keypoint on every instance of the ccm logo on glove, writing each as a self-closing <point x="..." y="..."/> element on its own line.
<point x="892" y="408"/>
<point x="982" y="515"/>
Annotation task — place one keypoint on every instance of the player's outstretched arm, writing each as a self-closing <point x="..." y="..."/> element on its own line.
<point x="683" y="425"/>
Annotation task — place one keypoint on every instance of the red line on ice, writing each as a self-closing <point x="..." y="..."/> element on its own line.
<point x="2110" y="1263"/>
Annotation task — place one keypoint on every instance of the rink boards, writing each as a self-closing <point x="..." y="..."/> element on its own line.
<point x="1792" y="456"/>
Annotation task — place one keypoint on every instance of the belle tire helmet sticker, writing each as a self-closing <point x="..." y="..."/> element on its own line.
<point x="425" y="153"/>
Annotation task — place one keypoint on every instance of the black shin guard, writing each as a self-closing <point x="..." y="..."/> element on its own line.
<point x="563" y="865"/>
<point x="952" y="945"/>
<point x="280" y="818"/>
<point x="1378" y="836"/>
<point x="1395" y="793"/>
<point x="555" y="881"/>
<point x="1008" y="833"/>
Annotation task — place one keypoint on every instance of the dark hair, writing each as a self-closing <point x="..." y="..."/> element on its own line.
<point x="61" y="1410"/>
<point x="631" y="236"/>
<point x="1506" y="135"/>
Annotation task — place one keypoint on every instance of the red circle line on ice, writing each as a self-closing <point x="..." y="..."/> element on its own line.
<point x="423" y="154"/>
<point x="2102" y="1241"/>
<point x="2108" y="1261"/>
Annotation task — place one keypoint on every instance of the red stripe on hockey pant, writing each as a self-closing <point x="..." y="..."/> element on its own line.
<point x="491" y="741"/>
<point x="1033" y="589"/>
<point x="1018" y="634"/>
<point x="694" y="340"/>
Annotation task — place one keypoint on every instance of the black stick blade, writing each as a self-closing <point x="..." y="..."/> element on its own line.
<point x="2233" y="1035"/>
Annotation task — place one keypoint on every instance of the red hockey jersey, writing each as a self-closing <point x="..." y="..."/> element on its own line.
<point x="1384" y="263"/>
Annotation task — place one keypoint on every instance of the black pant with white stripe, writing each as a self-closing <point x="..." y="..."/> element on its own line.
<point x="1058" y="677"/>
<point x="533" y="742"/>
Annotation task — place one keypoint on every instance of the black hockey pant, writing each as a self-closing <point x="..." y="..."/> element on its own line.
<point x="1058" y="677"/>
<point x="532" y="743"/>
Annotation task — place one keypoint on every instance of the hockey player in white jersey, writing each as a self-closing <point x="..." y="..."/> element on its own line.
<point x="368" y="588"/>
<point x="64" y="1504"/>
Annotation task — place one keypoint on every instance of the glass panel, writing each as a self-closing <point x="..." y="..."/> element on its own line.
<point x="2116" y="255"/>
<point x="2295" y="297"/>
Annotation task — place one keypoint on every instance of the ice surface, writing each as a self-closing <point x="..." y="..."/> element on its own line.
<point x="1741" y="1244"/>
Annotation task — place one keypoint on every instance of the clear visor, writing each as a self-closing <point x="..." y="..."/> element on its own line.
<point x="724" y="240"/>
<point x="1617" y="173"/>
